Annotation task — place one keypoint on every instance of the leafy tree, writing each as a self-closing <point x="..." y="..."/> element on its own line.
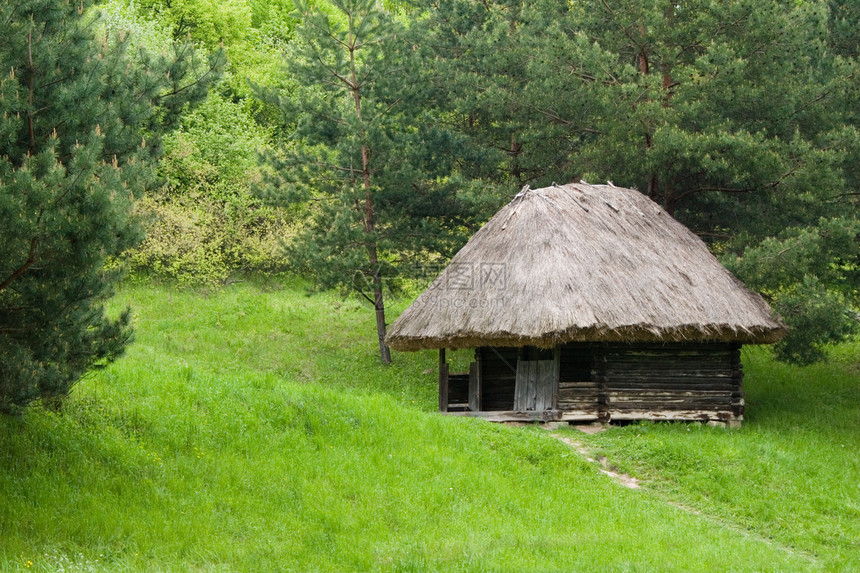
<point x="80" y="124"/>
<point x="252" y="32"/>
<point x="203" y="224"/>
<point x="364" y="153"/>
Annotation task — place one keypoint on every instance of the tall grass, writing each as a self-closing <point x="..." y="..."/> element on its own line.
<point x="254" y="429"/>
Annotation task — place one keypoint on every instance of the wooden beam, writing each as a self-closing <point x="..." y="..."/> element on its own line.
<point x="592" y="416"/>
<point x="556" y="377"/>
<point x="530" y="416"/>
<point x="443" y="381"/>
<point x="675" y="415"/>
<point x="474" y="387"/>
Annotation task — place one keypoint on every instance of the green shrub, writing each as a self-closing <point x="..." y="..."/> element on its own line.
<point x="199" y="244"/>
<point x="204" y="224"/>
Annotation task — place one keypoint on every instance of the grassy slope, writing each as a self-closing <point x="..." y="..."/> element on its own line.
<point x="791" y="473"/>
<point x="255" y="430"/>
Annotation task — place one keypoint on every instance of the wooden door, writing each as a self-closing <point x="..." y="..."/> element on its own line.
<point x="535" y="385"/>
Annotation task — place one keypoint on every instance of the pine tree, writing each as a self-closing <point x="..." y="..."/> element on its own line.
<point x="738" y="116"/>
<point x="364" y="153"/>
<point x="79" y="124"/>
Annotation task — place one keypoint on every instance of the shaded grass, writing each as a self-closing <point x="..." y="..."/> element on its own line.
<point x="254" y="429"/>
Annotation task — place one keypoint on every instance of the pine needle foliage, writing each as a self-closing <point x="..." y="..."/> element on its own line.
<point x="739" y="117"/>
<point x="80" y="116"/>
<point x="364" y="153"/>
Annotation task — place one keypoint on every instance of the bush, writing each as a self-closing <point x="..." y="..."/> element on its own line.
<point x="200" y="244"/>
<point x="204" y="223"/>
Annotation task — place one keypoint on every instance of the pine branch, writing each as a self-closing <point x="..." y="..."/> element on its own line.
<point x="557" y="118"/>
<point x="350" y="170"/>
<point x="719" y="30"/>
<point x="197" y="81"/>
<point x="361" y="292"/>
<point x="771" y="185"/>
<point x="722" y="236"/>
<point x="32" y="88"/>
<point x="31" y="258"/>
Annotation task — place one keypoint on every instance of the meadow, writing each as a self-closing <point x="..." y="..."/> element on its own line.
<point x="253" y="429"/>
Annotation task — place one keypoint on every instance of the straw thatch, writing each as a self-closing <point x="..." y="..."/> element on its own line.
<point x="583" y="262"/>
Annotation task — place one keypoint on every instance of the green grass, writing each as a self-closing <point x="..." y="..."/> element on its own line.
<point x="791" y="473"/>
<point x="253" y="429"/>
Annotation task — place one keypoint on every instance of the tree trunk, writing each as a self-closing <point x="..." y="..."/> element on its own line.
<point x="373" y="259"/>
<point x="379" y="305"/>
<point x="372" y="253"/>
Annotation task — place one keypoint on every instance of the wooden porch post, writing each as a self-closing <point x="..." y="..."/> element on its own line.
<point x="556" y="376"/>
<point x="475" y="387"/>
<point x="443" y="381"/>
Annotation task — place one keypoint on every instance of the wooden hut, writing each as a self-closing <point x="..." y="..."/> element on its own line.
<point x="588" y="302"/>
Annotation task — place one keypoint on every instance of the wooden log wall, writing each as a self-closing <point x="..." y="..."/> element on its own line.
<point x="671" y="381"/>
<point x="676" y="381"/>
<point x="578" y="392"/>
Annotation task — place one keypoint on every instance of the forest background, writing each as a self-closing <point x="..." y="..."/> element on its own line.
<point x="391" y="131"/>
<point x="360" y="143"/>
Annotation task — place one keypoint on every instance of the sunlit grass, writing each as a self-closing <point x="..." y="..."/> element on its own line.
<point x="255" y="429"/>
<point x="790" y="473"/>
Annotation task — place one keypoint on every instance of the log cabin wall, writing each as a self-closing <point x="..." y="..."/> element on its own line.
<point x="579" y="392"/>
<point x="681" y="381"/>
<point x="597" y="381"/>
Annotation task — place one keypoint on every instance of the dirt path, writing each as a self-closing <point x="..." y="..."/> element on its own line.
<point x="605" y="468"/>
<point x="631" y="482"/>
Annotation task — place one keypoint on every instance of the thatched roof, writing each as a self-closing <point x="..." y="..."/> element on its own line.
<point x="583" y="262"/>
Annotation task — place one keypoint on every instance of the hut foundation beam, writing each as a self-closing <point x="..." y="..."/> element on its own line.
<point x="529" y="416"/>
<point x="585" y="416"/>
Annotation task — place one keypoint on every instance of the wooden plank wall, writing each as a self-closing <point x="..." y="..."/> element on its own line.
<point x="681" y="381"/>
<point x="475" y="392"/>
<point x="671" y="381"/>
<point x="535" y="392"/>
